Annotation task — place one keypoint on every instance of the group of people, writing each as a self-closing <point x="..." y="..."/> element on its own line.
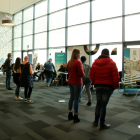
<point x="103" y="75"/>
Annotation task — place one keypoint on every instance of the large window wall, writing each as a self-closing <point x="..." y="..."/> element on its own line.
<point x="53" y="25"/>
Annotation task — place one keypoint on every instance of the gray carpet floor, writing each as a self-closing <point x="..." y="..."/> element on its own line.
<point x="46" y="118"/>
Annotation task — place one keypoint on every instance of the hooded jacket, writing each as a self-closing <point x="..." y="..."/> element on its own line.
<point x="104" y="72"/>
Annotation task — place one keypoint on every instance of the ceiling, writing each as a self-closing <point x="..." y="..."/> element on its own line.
<point x="15" y="5"/>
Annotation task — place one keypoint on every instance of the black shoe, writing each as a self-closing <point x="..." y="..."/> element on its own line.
<point x="105" y="126"/>
<point x="89" y="103"/>
<point x="95" y="123"/>
<point x="76" y="119"/>
<point x="10" y="88"/>
<point x="70" y="116"/>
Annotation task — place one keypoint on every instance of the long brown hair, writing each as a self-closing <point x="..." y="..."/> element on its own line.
<point x="73" y="56"/>
<point x="17" y="64"/>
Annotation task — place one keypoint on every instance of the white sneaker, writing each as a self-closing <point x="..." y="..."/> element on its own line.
<point x="25" y="100"/>
<point x="19" y="98"/>
<point x="29" y="101"/>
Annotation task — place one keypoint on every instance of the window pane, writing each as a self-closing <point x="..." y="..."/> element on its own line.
<point x="17" y="31"/>
<point x="53" y="51"/>
<point x="27" y="42"/>
<point x="28" y="28"/>
<point x="74" y="2"/>
<point x="57" y="20"/>
<point x="28" y="14"/>
<point x="79" y="14"/>
<point x="132" y="28"/>
<point x="132" y="6"/>
<point x="57" y="38"/>
<point x="16" y="54"/>
<point x="41" y="9"/>
<point x="78" y="35"/>
<point x="41" y="40"/>
<point x="41" y="24"/>
<point x="42" y="56"/>
<point x="107" y="31"/>
<point x="18" y="18"/>
<point x="57" y="5"/>
<point x="17" y="44"/>
<point x="106" y="8"/>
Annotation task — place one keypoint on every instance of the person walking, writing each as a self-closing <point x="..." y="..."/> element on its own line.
<point x="8" y="65"/>
<point x="49" y="67"/>
<point x="105" y="77"/>
<point x="16" y="75"/>
<point x="26" y="80"/>
<point x="76" y="73"/>
<point x="86" y="79"/>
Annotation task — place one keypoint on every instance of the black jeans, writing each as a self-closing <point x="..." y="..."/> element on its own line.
<point x="27" y="92"/>
<point x="102" y="96"/>
<point x="8" y="78"/>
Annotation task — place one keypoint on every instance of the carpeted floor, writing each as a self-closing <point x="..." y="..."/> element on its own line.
<point x="46" y="118"/>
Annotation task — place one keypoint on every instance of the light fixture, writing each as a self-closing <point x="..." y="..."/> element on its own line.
<point x="7" y="21"/>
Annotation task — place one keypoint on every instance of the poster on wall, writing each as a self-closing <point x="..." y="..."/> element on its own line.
<point x="131" y="70"/>
<point x="34" y="60"/>
<point x="60" y="59"/>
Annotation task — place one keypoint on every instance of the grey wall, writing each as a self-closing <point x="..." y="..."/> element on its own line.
<point x="5" y="40"/>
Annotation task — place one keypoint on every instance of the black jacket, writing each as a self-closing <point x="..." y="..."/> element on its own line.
<point x="8" y="64"/>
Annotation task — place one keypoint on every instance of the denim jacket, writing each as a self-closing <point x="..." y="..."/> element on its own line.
<point x="49" y="66"/>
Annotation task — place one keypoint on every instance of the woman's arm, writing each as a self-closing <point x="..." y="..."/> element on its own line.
<point x="31" y="69"/>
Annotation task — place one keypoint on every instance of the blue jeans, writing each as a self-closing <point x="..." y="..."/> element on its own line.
<point x="103" y="95"/>
<point x="48" y="78"/>
<point x="17" y="91"/>
<point x="75" y="94"/>
<point x="8" y="78"/>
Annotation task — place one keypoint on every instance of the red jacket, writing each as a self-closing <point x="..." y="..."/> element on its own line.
<point x="76" y="73"/>
<point x="104" y="71"/>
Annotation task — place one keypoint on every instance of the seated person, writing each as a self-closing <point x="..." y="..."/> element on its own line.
<point x="38" y="66"/>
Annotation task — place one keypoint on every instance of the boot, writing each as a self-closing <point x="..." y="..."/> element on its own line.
<point x="70" y="116"/>
<point x="105" y="126"/>
<point x="76" y="119"/>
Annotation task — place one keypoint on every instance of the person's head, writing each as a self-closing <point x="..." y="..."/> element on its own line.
<point x="50" y="60"/>
<point x="26" y="58"/>
<point x="9" y="55"/>
<point x="38" y="64"/>
<point x="83" y="59"/>
<point x="105" y="52"/>
<point x="17" y="63"/>
<point x="75" y="55"/>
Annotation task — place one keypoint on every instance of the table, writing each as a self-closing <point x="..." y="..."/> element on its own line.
<point x="66" y="73"/>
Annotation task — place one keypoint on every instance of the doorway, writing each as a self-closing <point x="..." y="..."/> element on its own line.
<point x="26" y="53"/>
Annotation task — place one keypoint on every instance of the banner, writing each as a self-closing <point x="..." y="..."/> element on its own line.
<point x="60" y="59"/>
<point x="131" y="70"/>
<point x="34" y="60"/>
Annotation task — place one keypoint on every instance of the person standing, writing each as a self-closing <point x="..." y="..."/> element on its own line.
<point x="16" y="75"/>
<point x="8" y="66"/>
<point x="86" y="79"/>
<point x="26" y="80"/>
<point x="105" y="77"/>
<point x="49" y="67"/>
<point x="76" y="73"/>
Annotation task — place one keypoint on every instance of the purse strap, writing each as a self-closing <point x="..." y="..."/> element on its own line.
<point x="23" y="68"/>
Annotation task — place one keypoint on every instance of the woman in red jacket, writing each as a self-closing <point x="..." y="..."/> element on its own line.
<point x="75" y="70"/>
<point x="105" y="77"/>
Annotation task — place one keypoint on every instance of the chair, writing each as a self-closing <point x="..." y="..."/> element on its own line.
<point x="138" y="84"/>
<point x="121" y="82"/>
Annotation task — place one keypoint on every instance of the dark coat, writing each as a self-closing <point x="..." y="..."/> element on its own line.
<point x="26" y="78"/>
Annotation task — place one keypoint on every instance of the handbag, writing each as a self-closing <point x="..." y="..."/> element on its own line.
<point x="21" y="73"/>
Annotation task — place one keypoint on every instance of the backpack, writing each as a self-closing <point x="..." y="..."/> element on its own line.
<point x="86" y="69"/>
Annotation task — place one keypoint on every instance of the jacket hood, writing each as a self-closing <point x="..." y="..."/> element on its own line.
<point x="102" y="61"/>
